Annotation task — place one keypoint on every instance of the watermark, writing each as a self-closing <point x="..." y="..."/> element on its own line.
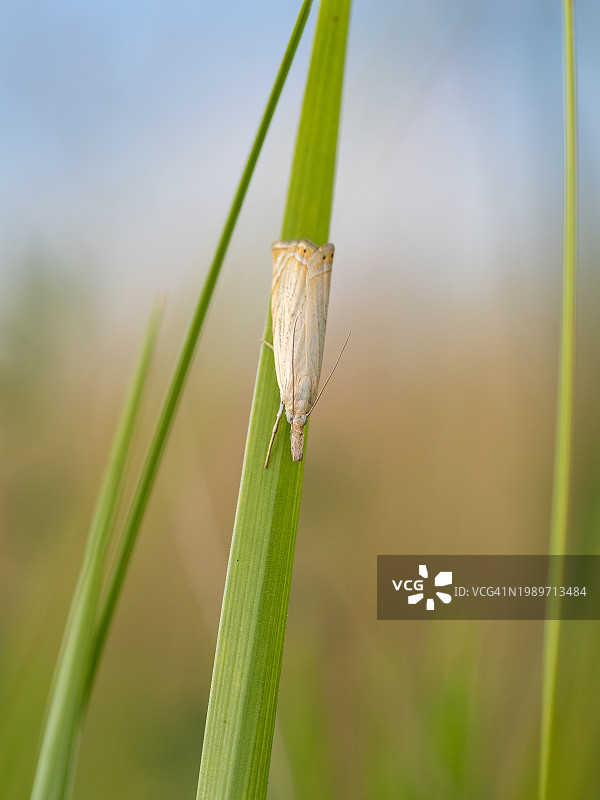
<point x="488" y="587"/>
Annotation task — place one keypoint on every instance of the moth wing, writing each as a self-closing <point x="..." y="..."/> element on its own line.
<point x="289" y="265"/>
<point x="318" y="281"/>
<point x="288" y="310"/>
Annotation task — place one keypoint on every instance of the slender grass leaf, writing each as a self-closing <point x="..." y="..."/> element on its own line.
<point x="182" y="368"/>
<point x="564" y="423"/>
<point x="55" y="765"/>
<point x="243" y="699"/>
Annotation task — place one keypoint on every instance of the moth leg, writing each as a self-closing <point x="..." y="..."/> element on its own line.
<point x="279" y="413"/>
<point x="263" y="341"/>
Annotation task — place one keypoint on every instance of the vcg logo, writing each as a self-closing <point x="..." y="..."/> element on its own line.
<point x="416" y="586"/>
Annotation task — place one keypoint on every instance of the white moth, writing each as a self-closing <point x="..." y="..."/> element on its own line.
<point x="299" y="301"/>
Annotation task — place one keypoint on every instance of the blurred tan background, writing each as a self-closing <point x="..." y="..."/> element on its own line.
<point x="126" y="130"/>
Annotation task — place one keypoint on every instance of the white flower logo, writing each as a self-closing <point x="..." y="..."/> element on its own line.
<point x="441" y="579"/>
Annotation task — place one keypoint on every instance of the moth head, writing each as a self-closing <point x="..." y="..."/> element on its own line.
<point x="326" y="253"/>
<point x="304" y="249"/>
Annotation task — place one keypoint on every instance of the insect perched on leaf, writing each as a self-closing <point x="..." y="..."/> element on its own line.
<point x="299" y="301"/>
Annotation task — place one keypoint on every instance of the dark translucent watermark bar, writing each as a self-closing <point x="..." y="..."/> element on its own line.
<point x="488" y="587"/>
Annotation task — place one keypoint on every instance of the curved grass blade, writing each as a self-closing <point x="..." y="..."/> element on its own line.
<point x="243" y="699"/>
<point x="182" y="367"/>
<point x="57" y="757"/>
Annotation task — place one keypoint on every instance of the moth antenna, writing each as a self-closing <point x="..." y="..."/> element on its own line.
<point x="330" y="374"/>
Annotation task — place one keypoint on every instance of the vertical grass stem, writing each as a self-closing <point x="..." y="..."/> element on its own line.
<point x="564" y="426"/>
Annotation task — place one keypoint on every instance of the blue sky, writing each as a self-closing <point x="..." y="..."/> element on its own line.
<point x="125" y="127"/>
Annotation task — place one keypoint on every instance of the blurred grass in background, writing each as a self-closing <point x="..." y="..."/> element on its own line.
<point x="448" y="710"/>
<point x="435" y="435"/>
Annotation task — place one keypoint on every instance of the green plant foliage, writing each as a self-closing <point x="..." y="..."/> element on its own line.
<point x="564" y="423"/>
<point x="91" y="614"/>
<point x="243" y="700"/>
<point x="55" y="766"/>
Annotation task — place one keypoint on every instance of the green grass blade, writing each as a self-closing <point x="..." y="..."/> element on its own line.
<point x="182" y="368"/>
<point x="63" y="715"/>
<point x="562" y="461"/>
<point x="243" y="698"/>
